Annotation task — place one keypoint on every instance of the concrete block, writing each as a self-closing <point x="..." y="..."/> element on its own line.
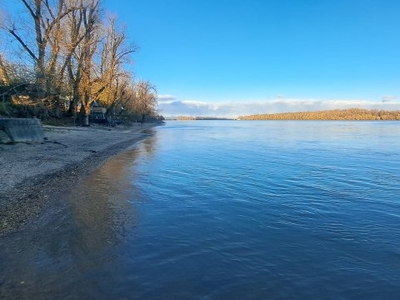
<point x="13" y="130"/>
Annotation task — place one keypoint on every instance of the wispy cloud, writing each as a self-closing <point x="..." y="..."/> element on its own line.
<point x="233" y="109"/>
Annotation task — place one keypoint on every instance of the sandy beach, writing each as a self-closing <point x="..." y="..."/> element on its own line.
<point x="34" y="173"/>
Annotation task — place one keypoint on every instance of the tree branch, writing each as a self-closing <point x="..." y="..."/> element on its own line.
<point x="23" y="44"/>
<point x="29" y="8"/>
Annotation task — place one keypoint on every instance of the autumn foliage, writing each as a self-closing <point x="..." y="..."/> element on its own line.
<point x="351" y="114"/>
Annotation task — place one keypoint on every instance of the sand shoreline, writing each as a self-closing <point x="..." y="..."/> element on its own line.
<point x="33" y="174"/>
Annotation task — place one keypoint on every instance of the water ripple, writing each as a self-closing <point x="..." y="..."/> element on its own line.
<point x="241" y="210"/>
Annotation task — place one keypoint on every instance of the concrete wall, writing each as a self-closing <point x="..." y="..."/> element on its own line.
<point x="20" y="130"/>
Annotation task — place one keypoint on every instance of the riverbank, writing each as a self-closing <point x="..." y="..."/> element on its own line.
<point x="32" y="174"/>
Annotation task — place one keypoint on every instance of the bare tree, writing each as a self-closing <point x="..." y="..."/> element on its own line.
<point x="76" y="54"/>
<point x="86" y="51"/>
<point x="46" y="18"/>
<point x="73" y="65"/>
<point x="145" y="99"/>
<point x="113" y="79"/>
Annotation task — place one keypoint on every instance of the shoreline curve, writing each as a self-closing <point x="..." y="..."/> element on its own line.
<point x="34" y="173"/>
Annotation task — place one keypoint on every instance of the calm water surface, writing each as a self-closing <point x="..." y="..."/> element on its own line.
<point x="225" y="210"/>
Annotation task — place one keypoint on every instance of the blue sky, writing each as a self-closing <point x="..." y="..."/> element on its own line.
<point x="233" y="57"/>
<point x="203" y="55"/>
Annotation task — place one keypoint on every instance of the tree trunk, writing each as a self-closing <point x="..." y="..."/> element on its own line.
<point x="85" y="121"/>
<point x="84" y="115"/>
<point x="72" y="108"/>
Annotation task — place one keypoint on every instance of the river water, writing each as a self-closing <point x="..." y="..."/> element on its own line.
<point x="225" y="210"/>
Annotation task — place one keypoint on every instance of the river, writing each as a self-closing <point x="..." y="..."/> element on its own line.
<point x="225" y="210"/>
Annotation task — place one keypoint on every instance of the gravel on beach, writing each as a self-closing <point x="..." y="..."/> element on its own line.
<point x="32" y="173"/>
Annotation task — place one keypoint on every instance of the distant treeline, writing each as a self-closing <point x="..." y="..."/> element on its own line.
<point x="336" y="114"/>
<point x="187" y="118"/>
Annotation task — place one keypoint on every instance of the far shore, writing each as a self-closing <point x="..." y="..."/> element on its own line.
<point x="34" y="173"/>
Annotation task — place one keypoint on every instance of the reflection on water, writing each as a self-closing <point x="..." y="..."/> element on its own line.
<point x="58" y="258"/>
<point x="101" y="206"/>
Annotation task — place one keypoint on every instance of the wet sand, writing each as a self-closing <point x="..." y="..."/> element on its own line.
<point x="32" y="173"/>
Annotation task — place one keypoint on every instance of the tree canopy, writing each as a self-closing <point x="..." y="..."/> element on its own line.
<point x="70" y="54"/>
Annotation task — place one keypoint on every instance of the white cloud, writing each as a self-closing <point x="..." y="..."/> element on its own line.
<point x="233" y="109"/>
<point x="166" y="98"/>
<point x="388" y="98"/>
